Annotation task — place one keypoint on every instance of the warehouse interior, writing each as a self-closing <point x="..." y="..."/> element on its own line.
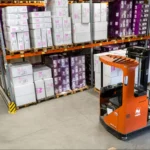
<point x="74" y="74"/>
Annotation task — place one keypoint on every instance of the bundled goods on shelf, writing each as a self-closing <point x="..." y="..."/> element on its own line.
<point x="111" y="74"/>
<point x="140" y="18"/>
<point x="77" y="68"/>
<point x="60" y="71"/>
<point x="80" y="15"/>
<point x="40" y="29"/>
<point x="43" y="81"/>
<point x="22" y="86"/>
<point x="15" y="26"/>
<point x="121" y="18"/>
<point x="61" y="22"/>
<point x="100" y="23"/>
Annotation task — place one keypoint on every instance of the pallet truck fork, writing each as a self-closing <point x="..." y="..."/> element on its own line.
<point x="123" y="108"/>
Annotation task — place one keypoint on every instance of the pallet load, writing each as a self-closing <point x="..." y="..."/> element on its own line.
<point x="16" y="30"/>
<point x="111" y="75"/>
<point x="43" y="82"/>
<point x="61" y="75"/>
<point x="80" y="15"/>
<point x="77" y="67"/>
<point x="61" y="23"/>
<point x="100" y="23"/>
<point x="140" y="18"/>
<point x="120" y="20"/>
<point x="22" y="86"/>
<point x="40" y="29"/>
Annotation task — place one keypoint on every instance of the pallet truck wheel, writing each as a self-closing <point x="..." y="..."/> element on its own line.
<point x="124" y="138"/>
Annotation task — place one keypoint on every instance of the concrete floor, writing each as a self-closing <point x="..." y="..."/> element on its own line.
<point x="70" y="122"/>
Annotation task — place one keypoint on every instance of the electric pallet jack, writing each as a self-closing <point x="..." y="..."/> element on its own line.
<point x="123" y="107"/>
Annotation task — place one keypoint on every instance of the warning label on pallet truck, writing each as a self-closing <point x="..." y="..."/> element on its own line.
<point x="137" y="112"/>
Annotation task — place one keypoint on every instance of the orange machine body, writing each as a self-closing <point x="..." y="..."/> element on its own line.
<point x="132" y="114"/>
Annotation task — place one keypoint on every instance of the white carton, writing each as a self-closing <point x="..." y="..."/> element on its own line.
<point x="66" y="23"/>
<point x="17" y="28"/>
<point x="36" y="20"/>
<point x="49" y="37"/>
<point x="98" y="80"/>
<point x="40" y="89"/>
<point x="57" y="24"/>
<point x="16" y="16"/>
<point x="60" y="12"/>
<point x="47" y="14"/>
<point x="44" y="37"/>
<point x="15" y="9"/>
<point x="104" y="11"/>
<point x="110" y="71"/>
<point x="18" y="81"/>
<point x="20" y="69"/>
<point x="96" y="12"/>
<point x="25" y="99"/>
<point x="100" y="26"/>
<point x="42" y="72"/>
<point x="23" y="89"/>
<point x="80" y="37"/>
<point x="11" y="36"/>
<point x="36" y="25"/>
<point x="36" y="14"/>
<point x="97" y="62"/>
<point x="67" y="37"/>
<point x="26" y="40"/>
<point x="36" y="43"/>
<point x="111" y="80"/>
<point x="35" y="33"/>
<point x="100" y="35"/>
<point x="47" y="20"/>
<point x="12" y="45"/>
<point x="47" y="25"/>
<point x="80" y="28"/>
<point x="85" y="12"/>
<point x="49" y="87"/>
<point x="58" y="38"/>
<point x="57" y="3"/>
<point x="14" y="22"/>
<point x="75" y="11"/>
<point x="20" y="39"/>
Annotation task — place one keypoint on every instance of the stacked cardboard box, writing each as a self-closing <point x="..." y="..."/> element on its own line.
<point x="21" y="78"/>
<point x="61" y="74"/>
<point x="61" y="22"/>
<point x="78" y="79"/>
<point x="40" y="29"/>
<point x="121" y="18"/>
<point x="100" y="21"/>
<point x="15" y="25"/>
<point x="43" y="82"/>
<point x="111" y="75"/>
<point x="80" y="15"/>
<point x="140" y="18"/>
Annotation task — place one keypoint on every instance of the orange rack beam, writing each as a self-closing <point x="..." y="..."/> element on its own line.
<point x="73" y="48"/>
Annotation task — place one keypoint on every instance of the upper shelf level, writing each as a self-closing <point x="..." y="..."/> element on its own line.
<point x="61" y="49"/>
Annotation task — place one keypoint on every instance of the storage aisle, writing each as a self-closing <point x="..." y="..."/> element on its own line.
<point x="70" y="122"/>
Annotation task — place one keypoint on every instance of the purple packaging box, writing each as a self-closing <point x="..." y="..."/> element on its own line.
<point x="65" y="80"/>
<point x="66" y="87"/>
<point x="51" y="61"/>
<point x="56" y="72"/>
<point x="81" y="68"/>
<point x="58" y="89"/>
<point x="64" y="71"/>
<point x="74" y="69"/>
<point x="64" y="62"/>
<point x="75" y="77"/>
<point x="122" y="45"/>
<point x="57" y="81"/>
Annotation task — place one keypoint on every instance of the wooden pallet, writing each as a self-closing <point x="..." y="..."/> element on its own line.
<point x="64" y="93"/>
<point x="81" y="44"/>
<point x="80" y="89"/>
<point x="99" y="41"/>
<point x="26" y="105"/>
<point x="96" y="90"/>
<point x="64" y="46"/>
<point x="45" y="99"/>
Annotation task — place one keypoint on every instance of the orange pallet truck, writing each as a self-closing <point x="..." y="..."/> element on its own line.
<point x="123" y="108"/>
